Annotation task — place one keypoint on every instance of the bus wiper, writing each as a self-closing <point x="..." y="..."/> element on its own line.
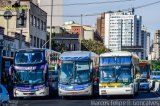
<point x="70" y="78"/>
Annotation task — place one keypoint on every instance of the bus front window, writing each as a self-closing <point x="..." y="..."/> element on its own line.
<point x="108" y="74"/>
<point x="29" y="58"/>
<point x="124" y="74"/>
<point x="66" y="72"/>
<point x="82" y="72"/>
<point x="29" y="77"/>
<point x="144" y="72"/>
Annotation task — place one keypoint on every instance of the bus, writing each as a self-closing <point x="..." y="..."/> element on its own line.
<point x="155" y="75"/>
<point x="30" y="72"/>
<point x="78" y="73"/>
<point x="145" y="69"/>
<point x="119" y="73"/>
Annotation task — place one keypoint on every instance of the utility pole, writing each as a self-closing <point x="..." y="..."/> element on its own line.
<point x="81" y="34"/>
<point x="20" y="39"/>
<point x="50" y="41"/>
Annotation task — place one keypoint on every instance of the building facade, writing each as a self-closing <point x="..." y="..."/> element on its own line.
<point x="156" y="46"/>
<point x="122" y="29"/>
<point x="70" y="41"/>
<point x="57" y="20"/>
<point x="34" y="28"/>
<point x="85" y="32"/>
<point x="101" y="25"/>
<point x="145" y="42"/>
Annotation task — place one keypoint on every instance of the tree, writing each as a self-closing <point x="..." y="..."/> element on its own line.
<point x="94" y="46"/>
<point x="155" y="65"/>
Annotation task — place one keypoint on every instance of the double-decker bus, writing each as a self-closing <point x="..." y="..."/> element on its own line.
<point x="30" y="72"/>
<point x="119" y="73"/>
<point x="145" y="69"/>
<point x="77" y="73"/>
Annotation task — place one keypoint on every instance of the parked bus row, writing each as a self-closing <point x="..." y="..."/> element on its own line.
<point x="42" y="72"/>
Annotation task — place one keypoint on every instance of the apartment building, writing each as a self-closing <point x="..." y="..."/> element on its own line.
<point x="34" y="28"/>
<point x="122" y="29"/>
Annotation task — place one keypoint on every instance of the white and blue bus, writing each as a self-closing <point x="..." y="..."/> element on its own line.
<point x="78" y="73"/>
<point x="30" y="72"/>
<point x="119" y="73"/>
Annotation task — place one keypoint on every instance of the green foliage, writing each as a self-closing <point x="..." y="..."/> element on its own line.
<point x="155" y="65"/>
<point x="94" y="46"/>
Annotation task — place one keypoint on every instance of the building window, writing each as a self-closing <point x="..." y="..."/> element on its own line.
<point x="35" y="22"/>
<point x="38" y="23"/>
<point x="37" y="42"/>
<point x="31" y="41"/>
<point x="74" y="47"/>
<point x="44" y="26"/>
<point x="41" y="43"/>
<point x="34" y="41"/>
<point x="12" y="54"/>
<point x="4" y="52"/>
<point x="41" y="25"/>
<point x="31" y="20"/>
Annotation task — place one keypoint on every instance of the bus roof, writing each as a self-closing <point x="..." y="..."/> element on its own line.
<point x="118" y="53"/>
<point x="36" y="49"/>
<point x="77" y="55"/>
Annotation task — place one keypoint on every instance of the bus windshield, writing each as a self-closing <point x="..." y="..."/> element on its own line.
<point x="66" y="73"/>
<point x="29" y="58"/>
<point x="82" y="72"/>
<point x="144" y="72"/>
<point x="29" y="77"/>
<point x="119" y="74"/>
<point x="75" y="72"/>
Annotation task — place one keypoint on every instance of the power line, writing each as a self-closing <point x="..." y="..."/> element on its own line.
<point x="89" y="3"/>
<point x="96" y="14"/>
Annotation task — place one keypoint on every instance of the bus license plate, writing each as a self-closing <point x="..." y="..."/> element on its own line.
<point x="73" y="93"/>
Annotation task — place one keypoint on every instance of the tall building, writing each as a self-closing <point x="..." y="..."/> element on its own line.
<point x="57" y="10"/>
<point x="156" y="43"/>
<point x="101" y="25"/>
<point x="122" y="29"/>
<point x="34" y="28"/>
<point x="145" y="42"/>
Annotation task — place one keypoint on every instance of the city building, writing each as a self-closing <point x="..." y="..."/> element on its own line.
<point x="156" y="45"/>
<point x="145" y="42"/>
<point x="70" y="41"/>
<point x="122" y="29"/>
<point x="34" y="28"/>
<point x="85" y="32"/>
<point x="101" y="25"/>
<point x="11" y="43"/>
<point x="57" y="11"/>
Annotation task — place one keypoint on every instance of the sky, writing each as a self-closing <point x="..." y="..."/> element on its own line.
<point x="150" y="15"/>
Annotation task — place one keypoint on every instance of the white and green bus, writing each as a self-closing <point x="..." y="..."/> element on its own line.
<point x="119" y="72"/>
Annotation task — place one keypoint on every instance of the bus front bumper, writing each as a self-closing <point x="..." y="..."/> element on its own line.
<point x="116" y="91"/>
<point x="41" y="92"/>
<point x="85" y="92"/>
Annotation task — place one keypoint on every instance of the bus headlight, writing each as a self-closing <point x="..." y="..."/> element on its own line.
<point x="102" y="86"/>
<point x="63" y="88"/>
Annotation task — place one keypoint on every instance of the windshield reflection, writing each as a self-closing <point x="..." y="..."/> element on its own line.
<point x="118" y="74"/>
<point x="29" y="77"/>
<point x="29" y="58"/>
<point x="75" y="72"/>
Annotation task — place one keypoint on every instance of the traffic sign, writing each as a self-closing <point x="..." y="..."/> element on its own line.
<point x="7" y="15"/>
